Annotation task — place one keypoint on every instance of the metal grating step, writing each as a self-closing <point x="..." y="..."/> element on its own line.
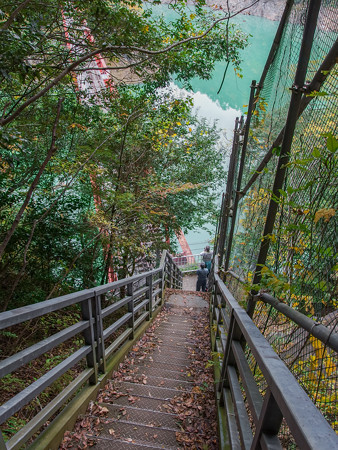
<point x="146" y="434"/>
<point x="162" y="365"/>
<point x="169" y="356"/>
<point x="182" y="326"/>
<point x="176" y="326"/>
<point x="175" y="347"/>
<point x="137" y="401"/>
<point x="146" y="368"/>
<point x="157" y="381"/>
<point x="119" y="444"/>
<point x="172" y="340"/>
<point x="141" y="416"/>
<point x="147" y="391"/>
<point x="178" y="319"/>
<point x="179" y="350"/>
<point x="163" y="373"/>
<point x="170" y="332"/>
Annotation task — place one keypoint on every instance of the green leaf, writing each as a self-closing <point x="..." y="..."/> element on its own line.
<point x="331" y="142"/>
<point x="316" y="153"/>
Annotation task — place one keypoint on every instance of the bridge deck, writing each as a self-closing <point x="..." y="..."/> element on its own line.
<point x="159" y="397"/>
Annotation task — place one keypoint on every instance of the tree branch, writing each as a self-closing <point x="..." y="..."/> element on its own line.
<point x="34" y="184"/>
<point x="114" y="48"/>
<point x="12" y="17"/>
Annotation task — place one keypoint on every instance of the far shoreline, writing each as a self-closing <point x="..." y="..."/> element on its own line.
<point x="268" y="9"/>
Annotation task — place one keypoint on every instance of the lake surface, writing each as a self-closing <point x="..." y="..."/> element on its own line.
<point x="228" y="104"/>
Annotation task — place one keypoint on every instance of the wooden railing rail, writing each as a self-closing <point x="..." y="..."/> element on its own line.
<point x="143" y="296"/>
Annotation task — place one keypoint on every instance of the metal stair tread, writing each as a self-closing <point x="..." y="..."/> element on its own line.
<point x="152" y="380"/>
<point x="145" y="390"/>
<point x="147" y="433"/>
<point x="120" y="444"/>
<point x="164" y="374"/>
<point x="181" y="371"/>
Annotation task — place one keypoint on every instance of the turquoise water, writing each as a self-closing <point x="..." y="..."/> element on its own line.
<point x="228" y="104"/>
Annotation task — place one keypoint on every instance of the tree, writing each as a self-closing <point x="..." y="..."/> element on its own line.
<point x="62" y="142"/>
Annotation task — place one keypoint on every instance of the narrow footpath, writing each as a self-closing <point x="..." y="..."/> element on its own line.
<point x="162" y="395"/>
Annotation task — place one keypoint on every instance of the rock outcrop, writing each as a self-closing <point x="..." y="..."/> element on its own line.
<point x="270" y="9"/>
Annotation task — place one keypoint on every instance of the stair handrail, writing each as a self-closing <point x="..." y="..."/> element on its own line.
<point x="143" y="298"/>
<point x="273" y="397"/>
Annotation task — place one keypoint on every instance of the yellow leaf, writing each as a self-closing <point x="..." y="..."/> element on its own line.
<point x="324" y="213"/>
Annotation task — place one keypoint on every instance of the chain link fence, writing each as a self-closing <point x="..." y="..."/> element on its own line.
<point x="300" y="267"/>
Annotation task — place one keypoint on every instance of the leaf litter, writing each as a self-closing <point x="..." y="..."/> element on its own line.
<point x="195" y="411"/>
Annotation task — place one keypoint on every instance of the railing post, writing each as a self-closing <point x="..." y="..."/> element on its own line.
<point x="270" y="420"/>
<point x="169" y="279"/>
<point x="149" y="283"/>
<point x="240" y="174"/>
<point x="100" y="349"/>
<point x="89" y="337"/>
<point x="234" y="334"/>
<point x="130" y="293"/>
<point x="3" y="445"/>
<point x="228" y="193"/>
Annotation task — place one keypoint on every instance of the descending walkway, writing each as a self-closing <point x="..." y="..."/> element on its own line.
<point x="154" y="399"/>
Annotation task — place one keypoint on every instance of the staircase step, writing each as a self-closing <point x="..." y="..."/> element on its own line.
<point x="162" y="373"/>
<point x="174" y="347"/>
<point x="177" y="326"/>
<point x="147" y="391"/>
<point x="168" y="371"/>
<point x="178" y="319"/>
<point x="173" y="328"/>
<point x="142" y="416"/>
<point x="169" y="357"/>
<point x="118" y="444"/>
<point x="144" y="433"/>
<point x="136" y="401"/>
<point x="156" y="381"/>
<point x="174" y="339"/>
<point x="178" y="352"/>
<point x="158" y="364"/>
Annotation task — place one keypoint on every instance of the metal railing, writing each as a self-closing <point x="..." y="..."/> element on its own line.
<point x="188" y="263"/>
<point x="141" y="296"/>
<point x="264" y="405"/>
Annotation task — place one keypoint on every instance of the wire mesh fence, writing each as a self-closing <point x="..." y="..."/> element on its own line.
<point x="300" y="267"/>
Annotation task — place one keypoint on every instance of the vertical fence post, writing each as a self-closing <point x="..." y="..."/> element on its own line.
<point x="228" y="193"/>
<point x="169" y="265"/>
<point x="217" y="231"/>
<point x="270" y="420"/>
<point x="276" y="42"/>
<point x="89" y="337"/>
<point x="130" y="293"/>
<point x="3" y="445"/>
<point x="284" y="157"/>
<point x="149" y="283"/>
<point x="100" y="348"/>
<point x="240" y="173"/>
<point x="161" y="283"/>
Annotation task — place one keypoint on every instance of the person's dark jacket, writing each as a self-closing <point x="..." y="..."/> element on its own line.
<point x="202" y="274"/>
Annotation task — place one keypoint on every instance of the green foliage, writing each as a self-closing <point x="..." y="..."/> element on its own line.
<point x="125" y="161"/>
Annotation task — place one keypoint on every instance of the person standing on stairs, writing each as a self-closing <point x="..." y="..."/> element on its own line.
<point x="207" y="257"/>
<point x="202" y="276"/>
